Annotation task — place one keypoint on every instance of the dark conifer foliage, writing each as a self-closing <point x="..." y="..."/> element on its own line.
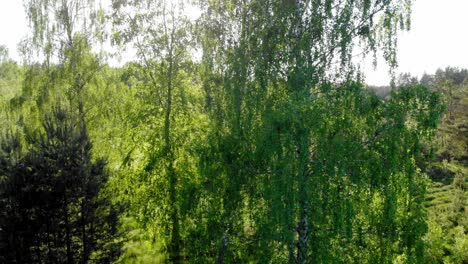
<point x="51" y="195"/>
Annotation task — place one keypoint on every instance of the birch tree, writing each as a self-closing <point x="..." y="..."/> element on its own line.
<point x="159" y="32"/>
<point x="270" y="55"/>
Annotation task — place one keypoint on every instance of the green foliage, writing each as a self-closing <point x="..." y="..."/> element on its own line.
<point x="446" y="202"/>
<point x="51" y="195"/>
<point x="55" y="23"/>
<point x="275" y="122"/>
<point x="267" y="150"/>
<point x="11" y="75"/>
<point x="446" y="239"/>
<point x="364" y="191"/>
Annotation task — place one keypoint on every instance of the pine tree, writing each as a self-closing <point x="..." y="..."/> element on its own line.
<point x="53" y="195"/>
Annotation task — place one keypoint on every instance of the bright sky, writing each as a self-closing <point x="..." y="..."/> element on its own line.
<point x="13" y="26"/>
<point x="438" y="37"/>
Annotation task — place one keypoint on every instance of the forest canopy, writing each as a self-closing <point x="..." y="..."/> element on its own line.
<point x="242" y="135"/>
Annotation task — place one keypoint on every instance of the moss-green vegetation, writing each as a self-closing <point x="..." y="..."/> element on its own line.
<point x="447" y="199"/>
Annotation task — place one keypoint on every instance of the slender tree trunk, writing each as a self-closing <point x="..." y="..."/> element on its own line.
<point x="68" y="233"/>
<point x="223" y="248"/>
<point x="49" y="250"/>
<point x="175" y="233"/>
<point x="56" y="235"/>
<point x="303" y="154"/>
<point x="83" y="232"/>
<point x="174" y="214"/>
<point x="91" y="236"/>
<point x="303" y="238"/>
<point x="303" y="225"/>
<point x="16" y="247"/>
